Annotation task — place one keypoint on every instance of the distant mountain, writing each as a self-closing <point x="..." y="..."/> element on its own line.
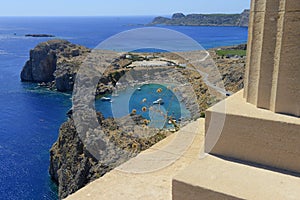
<point x="180" y="19"/>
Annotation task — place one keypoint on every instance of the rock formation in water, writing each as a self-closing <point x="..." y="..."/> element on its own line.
<point x="179" y="19"/>
<point x="56" y="62"/>
<point x="39" y="35"/>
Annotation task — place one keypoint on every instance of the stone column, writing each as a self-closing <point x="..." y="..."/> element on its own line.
<point x="265" y="142"/>
<point x="273" y="65"/>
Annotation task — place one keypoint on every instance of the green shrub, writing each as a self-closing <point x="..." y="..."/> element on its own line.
<point x="231" y="52"/>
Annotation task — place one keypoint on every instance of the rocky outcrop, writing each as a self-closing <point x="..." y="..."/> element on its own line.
<point x="72" y="165"/>
<point x="54" y="61"/>
<point x="205" y="19"/>
<point x="41" y="66"/>
<point x="178" y="16"/>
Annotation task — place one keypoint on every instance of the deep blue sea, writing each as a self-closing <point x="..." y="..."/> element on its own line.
<point x="30" y="118"/>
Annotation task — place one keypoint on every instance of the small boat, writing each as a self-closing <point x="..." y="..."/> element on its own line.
<point x="172" y="121"/>
<point x="158" y="101"/>
<point x="139" y="89"/>
<point x="105" y="99"/>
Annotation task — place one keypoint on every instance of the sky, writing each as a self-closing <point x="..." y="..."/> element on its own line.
<point x="118" y="7"/>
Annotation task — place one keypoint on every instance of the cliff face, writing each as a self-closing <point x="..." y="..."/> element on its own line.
<point x="55" y="62"/>
<point x="244" y="18"/>
<point x="205" y="19"/>
<point x="71" y="164"/>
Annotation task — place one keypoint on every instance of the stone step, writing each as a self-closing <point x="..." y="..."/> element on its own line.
<point x="215" y="178"/>
<point x="240" y="130"/>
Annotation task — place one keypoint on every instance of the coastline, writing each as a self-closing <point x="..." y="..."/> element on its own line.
<point x="129" y="63"/>
<point x="180" y="19"/>
<point x="38" y="114"/>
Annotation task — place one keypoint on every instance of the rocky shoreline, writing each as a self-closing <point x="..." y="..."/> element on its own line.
<point x="55" y="63"/>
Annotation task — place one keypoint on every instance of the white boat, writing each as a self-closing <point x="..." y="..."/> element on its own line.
<point x="172" y="121"/>
<point x="105" y="99"/>
<point x="158" y="101"/>
<point x="139" y="89"/>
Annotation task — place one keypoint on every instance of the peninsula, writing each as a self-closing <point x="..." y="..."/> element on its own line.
<point x="179" y="19"/>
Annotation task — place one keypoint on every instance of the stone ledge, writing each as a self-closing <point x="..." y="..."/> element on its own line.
<point x="215" y="178"/>
<point x="252" y="134"/>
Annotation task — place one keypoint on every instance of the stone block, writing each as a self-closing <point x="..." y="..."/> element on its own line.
<point x="255" y="135"/>
<point x="292" y="5"/>
<point x="215" y="178"/>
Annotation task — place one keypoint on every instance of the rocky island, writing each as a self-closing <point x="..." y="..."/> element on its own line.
<point x="55" y="63"/>
<point x="179" y="19"/>
<point x="39" y="35"/>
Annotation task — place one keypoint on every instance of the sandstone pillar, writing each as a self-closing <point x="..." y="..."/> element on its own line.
<point x="273" y="65"/>
<point x="250" y="154"/>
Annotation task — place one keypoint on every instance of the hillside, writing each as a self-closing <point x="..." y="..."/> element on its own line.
<point x="179" y="19"/>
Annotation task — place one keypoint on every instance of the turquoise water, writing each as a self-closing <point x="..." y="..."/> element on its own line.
<point x="30" y="118"/>
<point x="141" y="100"/>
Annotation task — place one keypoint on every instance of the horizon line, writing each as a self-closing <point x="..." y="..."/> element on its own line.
<point x="124" y="15"/>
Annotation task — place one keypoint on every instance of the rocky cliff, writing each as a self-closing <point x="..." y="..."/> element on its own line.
<point x="72" y="166"/>
<point x="205" y="19"/>
<point x="55" y="63"/>
<point x="244" y="18"/>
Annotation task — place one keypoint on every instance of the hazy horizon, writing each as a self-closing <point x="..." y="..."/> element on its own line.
<point x="118" y="8"/>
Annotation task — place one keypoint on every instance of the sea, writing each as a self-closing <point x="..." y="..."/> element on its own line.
<point x="30" y="116"/>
